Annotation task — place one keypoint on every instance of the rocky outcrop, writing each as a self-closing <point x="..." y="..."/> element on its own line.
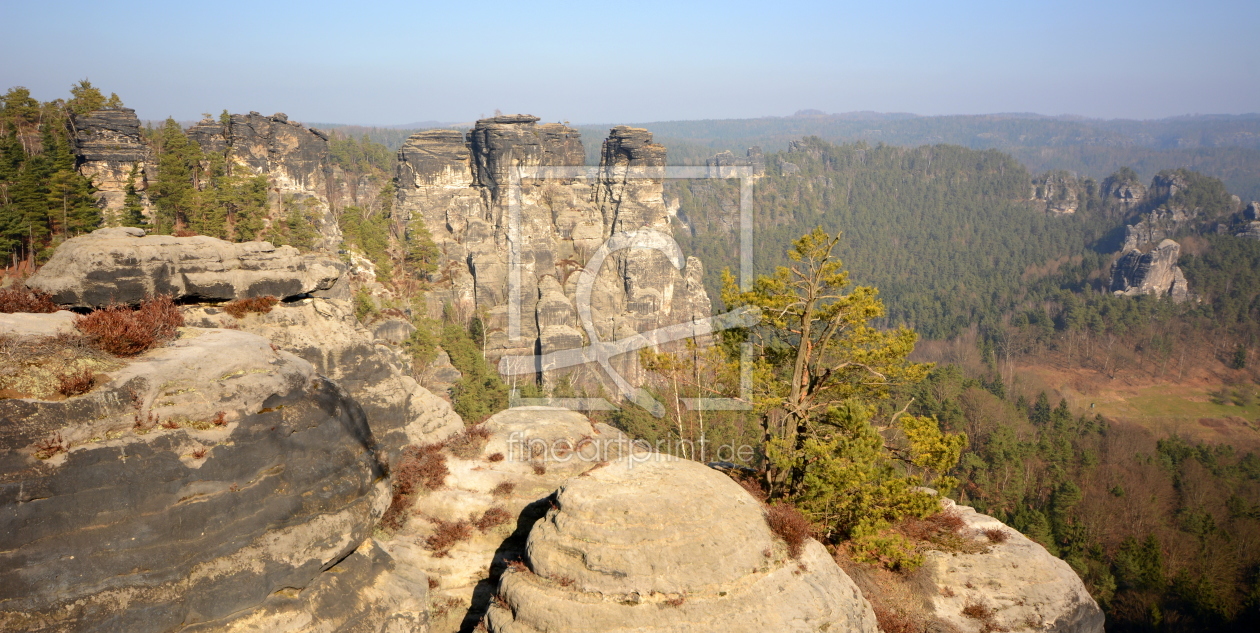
<point x="1151" y="273"/>
<point x="461" y="188"/>
<point x="294" y="158"/>
<point x="111" y="152"/>
<point x="202" y="486"/>
<point x="1250" y="225"/>
<point x="325" y="333"/>
<point x="123" y="265"/>
<point x="1018" y="582"/>
<point x="1060" y="191"/>
<point x="658" y="544"/>
<point x="1123" y="189"/>
<point x="527" y="454"/>
<point x="1155" y="227"/>
<point x="719" y="165"/>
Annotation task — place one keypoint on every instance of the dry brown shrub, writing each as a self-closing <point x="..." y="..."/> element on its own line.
<point x="170" y="424"/>
<point x="446" y="535"/>
<point x="997" y="535"/>
<point x="753" y="486"/>
<point x="434" y="583"/>
<point x="420" y="467"/>
<point x="563" y="581"/>
<point x="504" y="489"/>
<point x="183" y="232"/>
<point x="468" y="445"/>
<point x="495" y="457"/>
<point x="540" y="468"/>
<point x="199" y="453"/>
<point x="676" y="601"/>
<point x="76" y="383"/>
<point x="517" y="564"/>
<point x="895" y="621"/>
<point x="220" y="419"/>
<point x="122" y="331"/>
<point x="258" y="305"/>
<point x="790" y="525"/>
<point x="492" y="518"/>
<point x="19" y="298"/>
<point x="977" y="611"/>
<point x="50" y="446"/>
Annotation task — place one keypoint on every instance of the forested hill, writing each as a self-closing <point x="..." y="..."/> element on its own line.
<point x="1227" y="147"/>
<point x="946" y="233"/>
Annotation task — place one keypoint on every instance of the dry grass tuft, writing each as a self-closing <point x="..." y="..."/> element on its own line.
<point x="468" y="445"/>
<point x="434" y="583"/>
<point x="892" y="620"/>
<point x="75" y="384"/>
<point x="790" y="525"/>
<point x="997" y="535"/>
<point x="220" y="419"/>
<point x="753" y="486"/>
<point x="492" y="518"/>
<point x="517" y="564"/>
<point x="170" y="424"/>
<point x="446" y="535"/>
<point x="50" y="446"/>
<point x="504" y="489"/>
<point x="122" y="331"/>
<point x="258" y="305"/>
<point x="540" y="468"/>
<point x="977" y="611"/>
<point x="495" y="457"/>
<point x="563" y="581"/>
<point x="676" y="601"/>
<point x="199" y="453"/>
<point x="19" y="298"/>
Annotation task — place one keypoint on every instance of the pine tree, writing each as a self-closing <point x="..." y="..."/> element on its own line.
<point x="174" y="192"/>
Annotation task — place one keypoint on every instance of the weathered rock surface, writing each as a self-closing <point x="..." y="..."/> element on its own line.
<point x="109" y="149"/>
<point x="26" y="325"/>
<point x="325" y="333"/>
<point x="1125" y="190"/>
<point x="1059" y="190"/>
<point x="128" y="525"/>
<point x="469" y="572"/>
<point x="460" y="188"/>
<point x="666" y="545"/>
<point x="1155" y="227"/>
<point x="123" y="265"/>
<point x="294" y="158"/>
<point x="1024" y="586"/>
<point x="1152" y="273"/>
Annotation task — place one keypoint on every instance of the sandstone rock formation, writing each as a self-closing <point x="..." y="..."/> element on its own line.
<point x="325" y="333"/>
<point x="1017" y="580"/>
<point x="1155" y="227"/>
<point x="110" y="149"/>
<point x="537" y="449"/>
<point x="294" y="158"/>
<point x="1059" y="190"/>
<point x="462" y="189"/>
<point x="1128" y="192"/>
<point x="204" y="484"/>
<point x="123" y="265"/>
<point x="1151" y="273"/>
<point x="720" y="163"/>
<point x="660" y="544"/>
<point x="1250" y="221"/>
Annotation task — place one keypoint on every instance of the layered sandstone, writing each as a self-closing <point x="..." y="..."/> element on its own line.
<point x="517" y="218"/>
<point x="1154" y="272"/>
<point x="111" y="152"/>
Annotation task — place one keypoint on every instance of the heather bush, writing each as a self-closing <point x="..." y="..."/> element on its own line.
<point x="76" y="383"/>
<point x="258" y="305"/>
<point x="790" y="525"/>
<point x="122" y="331"/>
<point x="19" y="298"/>
<point x="421" y="467"/>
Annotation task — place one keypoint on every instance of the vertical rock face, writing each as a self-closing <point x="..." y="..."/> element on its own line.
<point x="1152" y="273"/>
<point x="462" y="188"/>
<point x="109" y="147"/>
<point x="1059" y="190"/>
<point x="294" y="158"/>
<point x="1128" y="192"/>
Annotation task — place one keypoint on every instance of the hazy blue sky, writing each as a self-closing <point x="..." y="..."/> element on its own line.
<point x="606" y="62"/>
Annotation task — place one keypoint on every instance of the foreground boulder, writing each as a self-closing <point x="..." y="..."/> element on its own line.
<point x="1015" y="584"/>
<point x="652" y="543"/>
<point x="123" y="265"/>
<point x="326" y="334"/>
<point x="210" y="482"/>
<point x="510" y="467"/>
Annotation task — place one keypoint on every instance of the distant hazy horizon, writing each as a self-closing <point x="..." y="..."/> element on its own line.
<point x="392" y="63"/>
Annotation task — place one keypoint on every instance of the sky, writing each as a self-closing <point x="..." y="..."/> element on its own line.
<point x="390" y="63"/>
